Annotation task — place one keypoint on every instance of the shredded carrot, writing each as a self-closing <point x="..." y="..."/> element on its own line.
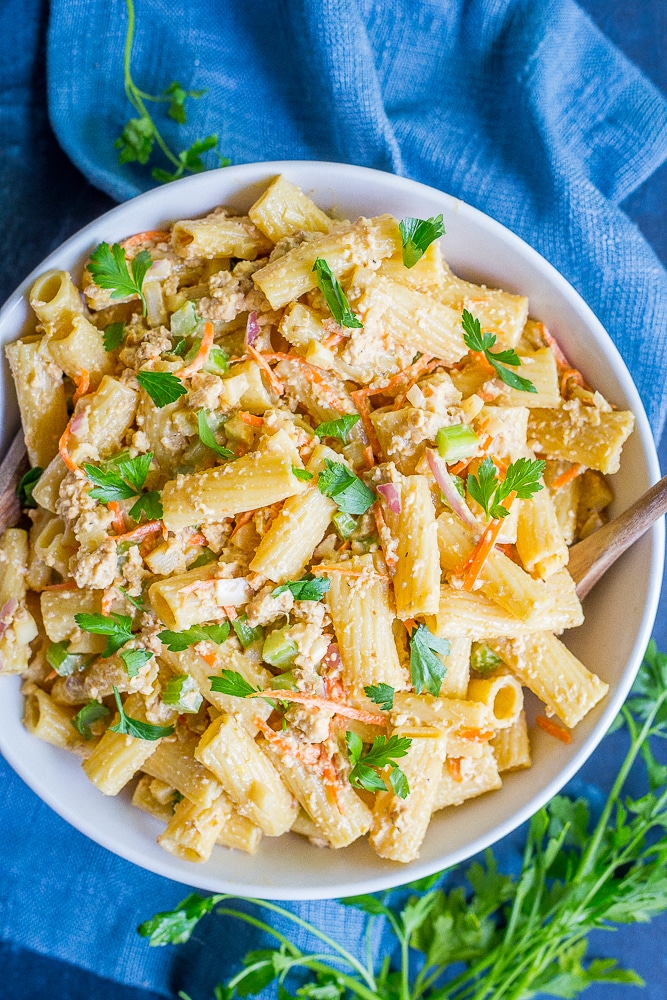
<point x="486" y="397"/>
<point x="400" y="399"/>
<point x="553" y="729"/>
<point x="50" y="676"/>
<point x="324" y="570"/>
<point x="480" y="359"/>
<point x="82" y="383"/>
<point x="549" y="339"/>
<point x="475" y="735"/>
<point x="570" y="375"/>
<point x="360" y="400"/>
<point x="331" y="778"/>
<point x="345" y="546"/>
<point x="230" y="611"/>
<point x="242" y="519"/>
<point x="369" y="457"/>
<point x="274" y="381"/>
<point x="509" y="550"/>
<point x="107" y="601"/>
<point x="337" y="707"/>
<point x="209" y="658"/>
<point x="149" y="236"/>
<point x="64" y="453"/>
<point x="500" y="464"/>
<point x="465" y="462"/>
<point x="311" y="373"/>
<point x="196" y="539"/>
<point x="412" y="372"/>
<point x="308" y="755"/>
<point x="202" y="354"/>
<point x="454" y="766"/>
<point x="477" y="558"/>
<point x="142" y="531"/>
<point x="65" y="585"/>
<point x="567" y="476"/>
<point x="190" y="588"/>
<point x="118" y="522"/>
<point x="410" y="625"/>
<point x="333" y="340"/>
<point x="250" y="418"/>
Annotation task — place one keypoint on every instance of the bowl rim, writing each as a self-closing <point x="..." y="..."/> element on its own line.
<point x="325" y="172"/>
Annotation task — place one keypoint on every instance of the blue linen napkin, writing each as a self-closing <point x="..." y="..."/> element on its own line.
<point x="524" y="110"/>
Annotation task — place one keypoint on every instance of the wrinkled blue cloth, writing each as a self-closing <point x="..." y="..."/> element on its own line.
<point x="523" y="109"/>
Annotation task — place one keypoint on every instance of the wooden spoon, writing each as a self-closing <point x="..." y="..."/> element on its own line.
<point x="590" y="559"/>
<point x="13" y="468"/>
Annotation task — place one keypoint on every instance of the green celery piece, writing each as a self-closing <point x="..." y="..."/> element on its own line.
<point x="456" y="442"/>
<point x="279" y="649"/>
<point x="245" y="633"/>
<point x="345" y="524"/>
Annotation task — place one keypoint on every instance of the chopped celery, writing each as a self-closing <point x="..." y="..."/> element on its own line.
<point x="456" y="442"/>
<point x="285" y="681"/>
<point x="218" y="361"/>
<point x="244" y="633"/>
<point x="279" y="649"/>
<point x="483" y="659"/>
<point x="62" y="661"/>
<point x="344" y="524"/>
<point x="206" y="557"/>
<point x="182" y="693"/>
<point x="184" y="321"/>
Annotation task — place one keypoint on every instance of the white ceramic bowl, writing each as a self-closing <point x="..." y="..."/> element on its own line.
<point x="619" y="613"/>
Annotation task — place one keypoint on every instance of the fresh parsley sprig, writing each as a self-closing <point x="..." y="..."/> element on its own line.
<point x="417" y="236"/>
<point x="366" y="767"/>
<point x="117" y="629"/>
<point x="522" y="478"/>
<point x="108" y="269"/>
<point x="140" y="135"/>
<point x="335" y="297"/>
<point x="339" y="428"/>
<point x="348" y="492"/>
<point x="92" y="712"/>
<point x="162" y="387"/>
<point x="134" y="727"/>
<point x="135" y="659"/>
<point x="427" y="670"/>
<point x="233" y="683"/>
<point x="382" y="695"/>
<point x="126" y="483"/>
<point x="176" y="642"/>
<point x="482" y="344"/>
<point x="303" y="474"/>
<point x="113" y="336"/>
<point x="207" y="437"/>
<point x="310" y="588"/>
<point x="27" y="485"/>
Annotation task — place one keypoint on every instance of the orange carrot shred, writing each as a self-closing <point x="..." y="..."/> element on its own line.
<point x="197" y="539"/>
<point x="333" y="340"/>
<point x="360" y="400"/>
<point x="209" y="658"/>
<point x="118" y="522"/>
<point x="474" y="564"/>
<point x="311" y="373"/>
<point x="82" y="383"/>
<point x="230" y="611"/>
<point x="567" y="476"/>
<point x="561" y="360"/>
<point x="275" y="382"/>
<point x="570" y="375"/>
<point x="64" y="453"/>
<point x="476" y="735"/>
<point x="65" y="585"/>
<point x="107" y="601"/>
<point x="455" y="470"/>
<point x="454" y="767"/>
<point x="242" y="519"/>
<point x="150" y="235"/>
<point x="201" y="357"/>
<point x="369" y="458"/>
<point x="51" y="676"/>
<point x="331" y="778"/>
<point x="338" y="708"/>
<point x="251" y="419"/>
<point x="142" y="531"/>
<point x="553" y="729"/>
<point x="306" y="754"/>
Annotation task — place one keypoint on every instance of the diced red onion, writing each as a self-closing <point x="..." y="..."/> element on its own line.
<point x="450" y="492"/>
<point x="6" y="614"/>
<point x="392" y="496"/>
<point x="252" y="330"/>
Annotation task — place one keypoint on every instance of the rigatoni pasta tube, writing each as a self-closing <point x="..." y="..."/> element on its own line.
<point x="256" y="480"/>
<point x="219" y="236"/>
<point x="473" y="778"/>
<point x="77" y="347"/>
<point x="539" y="539"/>
<point x="41" y="397"/>
<point x="284" y="210"/>
<point x="502" y="695"/>
<point x="511" y="746"/>
<point x="50" y="721"/>
<point x="583" y="434"/>
<point x="193" y="829"/>
<point x="54" y="297"/>
<point x="174" y="763"/>
<point x="117" y="757"/>
<point x="196" y="596"/>
<point x="417" y="578"/>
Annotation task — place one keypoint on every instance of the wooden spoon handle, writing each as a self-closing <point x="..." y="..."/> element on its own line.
<point x="14" y="466"/>
<point x="593" y="557"/>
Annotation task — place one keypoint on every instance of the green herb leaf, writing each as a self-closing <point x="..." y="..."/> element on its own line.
<point x="233" y="683"/>
<point x="176" y="926"/>
<point x="108" y="485"/>
<point x="27" y="485"/>
<point x="426" y="669"/>
<point x="384" y="752"/>
<point x="310" y="588"/>
<point x="136" y="141"/>
<point x="135" y="470"/>
<point x="382" y="695"/>
<point x="350" y="494"/>
<point x="87" y="715"/>
<point x="182" y="692"/>
<point x="162" y="387"/>
<point x="207" y="438"/>
<point x="417" y="236"/>
<point x="149" y="504"/>
<point x="302" y="474"/>
<point x="118" y="629"/>
<point x="176" y="642"/>
<point x="134" y="727"/>
<point x="483" y="342"/>
<point x="139" y="605"/>
<point x="522" y="477"/>
<point x="113" y="336"/>
<point x="108" y="269"/>
<point x="177" y="95"/>
<point x="339" y="428"/>
<point x="135" y="659"/>
<point x="335" y="296"/>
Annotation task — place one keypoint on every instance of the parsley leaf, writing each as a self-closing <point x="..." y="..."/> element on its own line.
<point x="207" y="437"/>
<point x="382" y="695"/>
<point x="117" y="628"/>
<point x="139" y="605"/>
<point x="176" y="642"/>
<point x="482" y="344"/>
<point x="522" y="477"/>
<point x="233" y="683"/>
<point x="135" y="470"/>
<point x="417" y="236"/>
<point x="350" y="494"/>
<point x="108" y="485"/>
<point x="113" y="336"/>
<point x="310" y="588"/>
<point x="126" y="483"/>
<point x="135" y="659"/>
<point x="136" y="140"/>
<point x="108" y="269"/>
<point x="27" y="485"/>
<point x="150" y="504"/>
<point x="162" y="387"/>
<point x="335" y="296"/>
<point x="87" y="715"/>
<point x="365" y="769"/>
<point x="339" y="428"/>
<point x="177" y="95"/>
<point x="302" y="474"/>
<point x="134" y="727"/>
<point x="176" y="926"/>
<point x="190" y="159"/>
<point x="426" y="669"/>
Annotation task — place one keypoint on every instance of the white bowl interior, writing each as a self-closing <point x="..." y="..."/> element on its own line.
<point x="619" y="613"/>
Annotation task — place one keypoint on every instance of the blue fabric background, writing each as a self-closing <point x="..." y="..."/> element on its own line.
<point x="522" y="109"/>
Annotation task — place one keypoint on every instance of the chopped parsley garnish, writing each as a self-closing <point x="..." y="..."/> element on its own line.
<point x="135" y="659"/>
<point x="382" y="695"/>
<point x="426" y="669"/>
<point x="113" y="336"/>
<point x="117" y="628"/>
<point x="207" y="437"/>
<point x="27" y="485"/>
<point x="349" y="493"/>
<point x="233" y="683"/>
<point x="86" y="716"/>
<point x="162" y="387"/>
<point x="125" y="484"/>
<point x="139" y="605"/>
<point x="482" y="344"/>
<point x="133" y="727"/>
<point x="366" y="769"/>
<point x="108" y="269"/>
<point x="302" y="474"/>
<point x="339" y="428"/>
<point x="417" y="236"/>
<point x="176" y="642"/>
<point x="522" y="477"/>
<point x="335" y="296"/>
<point x="310" y="588"/>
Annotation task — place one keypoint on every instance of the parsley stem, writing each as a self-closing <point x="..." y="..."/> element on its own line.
<point x="260" y="925"/>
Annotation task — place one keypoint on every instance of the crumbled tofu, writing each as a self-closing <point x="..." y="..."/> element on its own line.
<point x="95" y="570"/>
<point x="264" y="609"/>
